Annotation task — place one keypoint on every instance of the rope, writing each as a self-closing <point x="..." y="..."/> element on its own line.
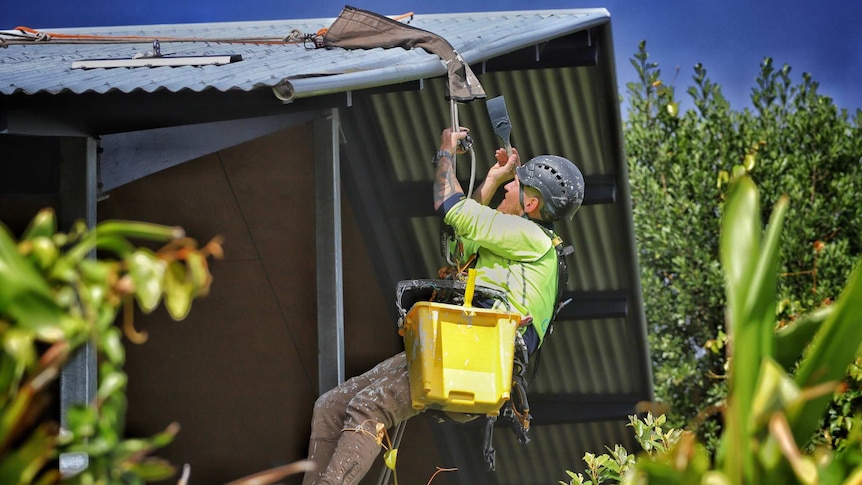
<point x="295" y="36"/>
<point x="35" y="36"/>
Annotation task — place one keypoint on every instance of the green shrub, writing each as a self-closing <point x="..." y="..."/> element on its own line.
<point x="776" y="399"/>
<point x="797" y="143"/>
<point x="59" y="291"/>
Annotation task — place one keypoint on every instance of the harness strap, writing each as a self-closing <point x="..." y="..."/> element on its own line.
<point x="562" y="250"/>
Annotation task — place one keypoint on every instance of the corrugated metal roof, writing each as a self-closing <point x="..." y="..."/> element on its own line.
<point x="46" y="66"/>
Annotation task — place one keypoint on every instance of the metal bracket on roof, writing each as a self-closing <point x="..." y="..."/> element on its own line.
<point x="157" y="51"/>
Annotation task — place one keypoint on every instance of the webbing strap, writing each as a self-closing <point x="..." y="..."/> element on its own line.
<point x="562" y="272"/>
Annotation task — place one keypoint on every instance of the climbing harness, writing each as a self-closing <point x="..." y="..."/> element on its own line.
<point x="562" y="274"/>
<point x="517" y="411"/>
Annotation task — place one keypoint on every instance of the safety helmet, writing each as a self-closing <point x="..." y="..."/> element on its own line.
<point x="558" y="180"/>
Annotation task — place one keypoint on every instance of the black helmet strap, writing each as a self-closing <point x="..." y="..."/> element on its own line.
<point x="521" y="197"/>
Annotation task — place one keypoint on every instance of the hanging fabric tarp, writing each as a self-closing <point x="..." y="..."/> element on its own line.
<point x="360" y="29"/>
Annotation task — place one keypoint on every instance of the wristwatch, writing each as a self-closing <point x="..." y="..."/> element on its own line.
<point x="440" y="154"/>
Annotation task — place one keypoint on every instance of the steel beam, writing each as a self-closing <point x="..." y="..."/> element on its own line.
<point x="78" y="379"/>
<point x="550" y="409"/>
<point x="590" y="305"/>
<point x="127" y="157"/>
<point x="327" y="213"/>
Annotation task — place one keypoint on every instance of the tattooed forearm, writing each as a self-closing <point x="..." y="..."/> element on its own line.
<point x="445" y="182"/>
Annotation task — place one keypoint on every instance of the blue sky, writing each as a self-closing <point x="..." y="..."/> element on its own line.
<point x="730" y="38"/>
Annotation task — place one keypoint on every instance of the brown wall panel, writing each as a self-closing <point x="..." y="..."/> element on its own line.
<point x="240" y="373"/>
<point x="272" y="184"/>
<point x="229" y="375"/>
<point x="370" y="330"/>
<point x="195" y="195"/>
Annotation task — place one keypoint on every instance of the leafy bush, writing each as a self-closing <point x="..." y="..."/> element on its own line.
<point x="618" y="463"/>
<point x="780" y="383"/>
<point x="55" y="296"/>
<point x="798" y="143"/>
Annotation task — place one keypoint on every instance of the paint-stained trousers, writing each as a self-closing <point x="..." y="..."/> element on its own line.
<point x="343" y="443"/>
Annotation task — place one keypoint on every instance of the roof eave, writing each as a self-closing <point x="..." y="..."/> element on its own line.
<point x="289" y="89"/>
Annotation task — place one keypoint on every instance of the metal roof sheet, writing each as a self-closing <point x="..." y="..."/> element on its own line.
<point x="46" y="66"/>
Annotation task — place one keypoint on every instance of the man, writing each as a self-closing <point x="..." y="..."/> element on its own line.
<point x="515" y="254"/>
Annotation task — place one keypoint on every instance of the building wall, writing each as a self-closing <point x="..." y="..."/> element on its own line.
<point x="240" y="373"/>
<point x="29" y="178"/>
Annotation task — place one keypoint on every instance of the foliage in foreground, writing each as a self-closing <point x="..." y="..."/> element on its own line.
<point x="780" y="383"/>
<point x="798" y="143"/>
<point x="54" y="297"/>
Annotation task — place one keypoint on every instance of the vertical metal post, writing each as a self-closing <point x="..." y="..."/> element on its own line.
<point x="78" y="379"/>
<point x="327" y="216"/>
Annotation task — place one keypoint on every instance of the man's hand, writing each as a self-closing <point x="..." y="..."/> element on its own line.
<point x="499" y="173"/>
<point x="504" y="170"/>
<point x="449" y="140"/>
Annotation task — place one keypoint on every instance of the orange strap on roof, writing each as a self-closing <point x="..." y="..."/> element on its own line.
<point x="39" y="35"/>
<point x="295" y="37"/>
<point x="403" y="16"/>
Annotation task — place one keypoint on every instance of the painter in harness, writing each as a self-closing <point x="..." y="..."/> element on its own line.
<point x="515" y="271"/>
<point x="515" y="261"/>
<point x="534" y="287"/>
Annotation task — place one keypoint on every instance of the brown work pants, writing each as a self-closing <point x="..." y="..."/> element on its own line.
<point x="344" y="427"/>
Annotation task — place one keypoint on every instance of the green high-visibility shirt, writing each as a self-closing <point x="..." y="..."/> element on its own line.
<point x="515" y="255"/>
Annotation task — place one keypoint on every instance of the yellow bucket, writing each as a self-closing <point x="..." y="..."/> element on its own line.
<point x="459" y="357"/>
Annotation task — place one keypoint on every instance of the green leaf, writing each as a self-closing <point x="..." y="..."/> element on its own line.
<point x="82" y="420"/>
<point x="791" y="340"/>
<point x="148" y="273"/>
<point x="740" y="243"/>
<point x="197" y="268"/>
<point x="139" y="230"/>
<point x="44" y="252"/>
<point x="18" y="343"/>
<point x="835" y="346"/>
<point x="132" y="446"/>
<point x="106" y="317"/>
<point x="761" y="297"/>
<point x="776" y="391"/>
<point x="23" y="463"/>
<point x="13" y="413"/>
<point x="178" y="291"/>
<point x="390" y="457"/>
<point x="752" y="279"/>
<point x="153" y="469"/>
<point x="112" y="346"/>
<point x="740" y="250"/>
<point x="44" y="224"/>
<point x="112" y="383"/>
<point x="96" y="271"/>
<point x="24" y="294"/>
<point x="166" y="437"/>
